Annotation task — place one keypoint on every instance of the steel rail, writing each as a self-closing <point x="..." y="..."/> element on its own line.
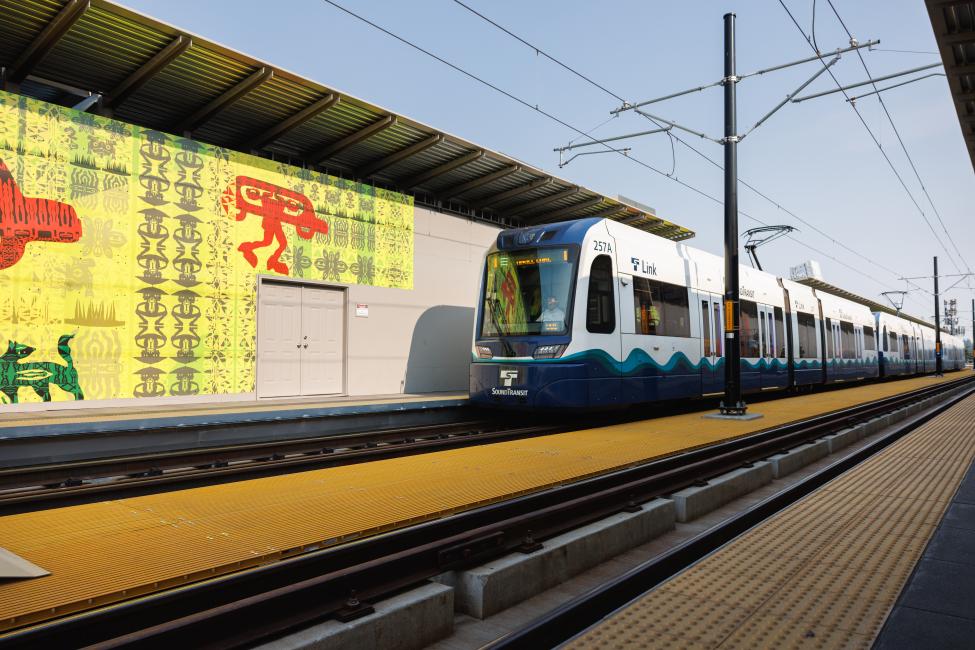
<point x="260" y="603"/>
<point x="70" y="482"/>
<point x="66" y="482"/>
<point x="586" y="610"/>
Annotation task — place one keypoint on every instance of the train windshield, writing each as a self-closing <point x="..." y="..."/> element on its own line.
<point x="528" y="292"/>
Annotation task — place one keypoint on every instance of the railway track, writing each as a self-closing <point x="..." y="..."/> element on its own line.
<point x="70" y="482"/>
<point x="586" y="610"/>
<point x="65" y="483"/>
<point x="240" y="609"/>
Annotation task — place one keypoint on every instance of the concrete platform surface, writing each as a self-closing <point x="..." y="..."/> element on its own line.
<point x="14" y="424"/>
<point x="826" y="571"/>
<point x="936" y="609"/>
<point x="100" y="553"/>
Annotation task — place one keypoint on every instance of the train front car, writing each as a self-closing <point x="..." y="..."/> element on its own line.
<point x="545" y="333"/>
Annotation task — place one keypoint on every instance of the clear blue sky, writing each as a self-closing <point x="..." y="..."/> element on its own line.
<point x="815" y="159"/>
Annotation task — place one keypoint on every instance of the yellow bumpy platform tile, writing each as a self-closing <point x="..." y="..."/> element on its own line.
<point x="825" y="572"/>
<point x="110" y="551"/>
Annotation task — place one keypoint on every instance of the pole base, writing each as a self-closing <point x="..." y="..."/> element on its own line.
<point x="738" y="408"/>
<point x="736" y="412"/>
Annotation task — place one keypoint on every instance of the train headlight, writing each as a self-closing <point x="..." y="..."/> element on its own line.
<point x="484" y="352"/>
<point x="548" y="351"/>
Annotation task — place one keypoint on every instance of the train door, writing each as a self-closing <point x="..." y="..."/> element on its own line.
<point x="790" y="344"/>
<point x="601" y="332"/>
<point x="860" y="367"/>
<point x="907" y="353"/>
<point x="822" y="340"/>
<point x="767" y="347"/>
<point x="883" y="350"/>
<point x="835" y="349"/>
<point x="750" y="342"/>
<point x="712" y="339"/>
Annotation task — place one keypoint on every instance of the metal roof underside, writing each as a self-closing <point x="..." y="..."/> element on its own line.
<point x="954" y="29"/>
<point x="852" y="297"/>
<point x="155" y="75"/>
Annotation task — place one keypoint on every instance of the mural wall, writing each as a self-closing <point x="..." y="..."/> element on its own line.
<point x="129" y="257"/>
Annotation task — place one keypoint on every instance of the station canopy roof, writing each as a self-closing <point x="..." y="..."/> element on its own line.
<point x="154" y="75"/>
<point x="852" y="297"/>
<point x="954" y="30"/>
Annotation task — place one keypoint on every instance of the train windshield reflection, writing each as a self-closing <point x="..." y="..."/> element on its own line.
<point x="527" y="292"/>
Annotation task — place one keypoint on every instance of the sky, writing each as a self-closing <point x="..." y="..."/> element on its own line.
<point x="814" y="159"/>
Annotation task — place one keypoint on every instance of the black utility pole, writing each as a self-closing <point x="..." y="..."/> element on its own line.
<point x="732" y="403"/>
<point x="937" y="321"/>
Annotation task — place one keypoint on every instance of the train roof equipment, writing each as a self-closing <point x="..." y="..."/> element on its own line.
<point x="872" y="304"/>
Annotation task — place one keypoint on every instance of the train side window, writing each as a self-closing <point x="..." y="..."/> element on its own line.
<point x="706" y="326"/>
<point x="600" y="306"/>
<point x="677" y="316"/>
<point x="807" y="335"/>
<point x="893" y="342"/>
<point x="884" y="338"/>
<point x="780" y="332"/>
<point x="869" y="342"/>
<point x="829" y="338"/>
<point x="849" y="345"/>
<point x="718" y="330"/>
<point x="748" y="335"/>
<point x="660" y="308"/>
<point x="647" y="306"/>
<point x="906" y="346"/>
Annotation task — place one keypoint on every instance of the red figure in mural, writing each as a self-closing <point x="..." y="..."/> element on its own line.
<point x="276" y="206"/>
<point x="23" y="220"/>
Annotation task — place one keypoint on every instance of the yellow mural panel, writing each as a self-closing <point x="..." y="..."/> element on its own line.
<point x="129" y="258"/>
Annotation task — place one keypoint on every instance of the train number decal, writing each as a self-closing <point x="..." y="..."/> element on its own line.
<point x="602" y="247"/>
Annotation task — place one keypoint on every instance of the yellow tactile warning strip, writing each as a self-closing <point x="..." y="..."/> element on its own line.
<point x="823" y="573"/>
<point x="105" y="552"/>
<point x="107" y="414"/>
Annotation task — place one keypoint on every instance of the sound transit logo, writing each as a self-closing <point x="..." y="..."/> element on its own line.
<point x="507" y="377"/>
<point x="640" y="266"/>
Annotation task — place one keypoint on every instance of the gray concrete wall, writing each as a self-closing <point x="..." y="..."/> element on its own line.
<point x="419" y="341"/>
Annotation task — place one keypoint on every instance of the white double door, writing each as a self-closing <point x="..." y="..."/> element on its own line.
<point x="300" y="340"/>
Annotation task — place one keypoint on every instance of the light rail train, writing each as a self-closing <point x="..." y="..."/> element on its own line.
<point x="594" y="313"/>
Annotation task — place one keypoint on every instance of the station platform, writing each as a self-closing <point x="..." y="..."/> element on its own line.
<point x="825" y="572"/>
<point x="105" y="552"/>
<point x="125" y="418"/>
<point x="50" y="437"/>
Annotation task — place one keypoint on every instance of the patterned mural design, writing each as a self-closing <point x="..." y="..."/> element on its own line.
<point x="146" y="248"/>
<point x="24" y="220"/>
<point x="38" y="375"/>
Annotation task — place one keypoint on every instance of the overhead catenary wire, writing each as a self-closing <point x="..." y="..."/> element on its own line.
<point x="509" y="95"/>
<point x="885" y="49"/>
<point x="880" y="147"/>
<point x="554" y="118"/>
<point x="872" y="81"/>
<point x="716" y="163"/>
<point x="904" y="147"/>
<point x="866" y="126"/>
<point x="697" y="151"/>
<point x="673" y="136"/>
<point x="892" y="86"/>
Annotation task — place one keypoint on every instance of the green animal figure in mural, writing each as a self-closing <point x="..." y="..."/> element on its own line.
<point x="38" y="375"/>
